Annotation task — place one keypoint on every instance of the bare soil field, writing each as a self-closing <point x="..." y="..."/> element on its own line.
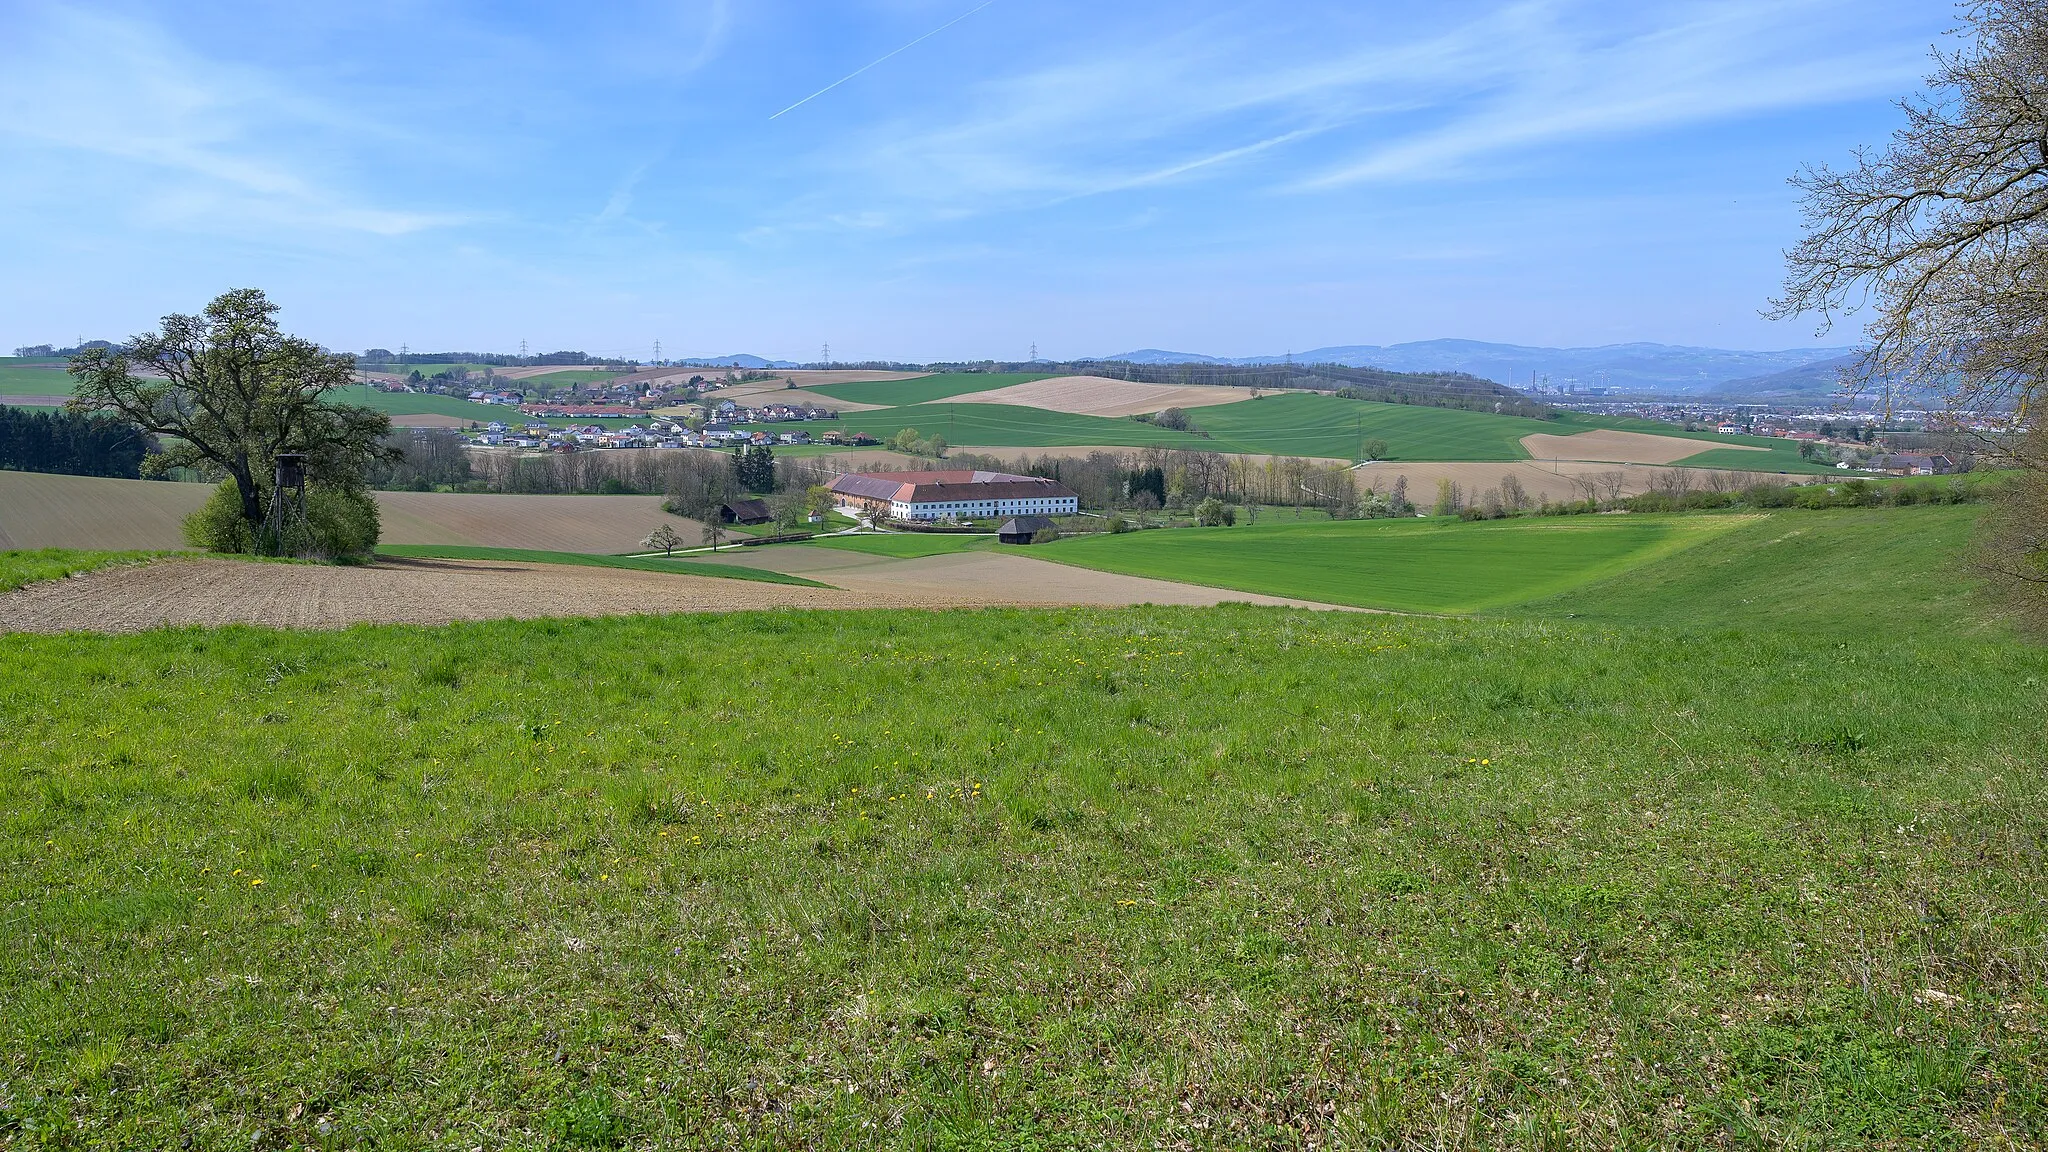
<point x="1623" y="447"/>
<point x="39" y="511"/>
<point x="1102" y="396"/>
<point x="213" y="592"/>
<point x="1558" y="480"/>
<point x="49" y="401"/>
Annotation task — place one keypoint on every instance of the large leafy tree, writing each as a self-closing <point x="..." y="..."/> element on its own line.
<point x="1942" y="238"/>
<point x="228" y="391"/>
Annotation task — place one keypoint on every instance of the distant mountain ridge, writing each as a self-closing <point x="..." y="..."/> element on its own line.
<point x="1636" y="367"/>
<point x="742" y="360"/>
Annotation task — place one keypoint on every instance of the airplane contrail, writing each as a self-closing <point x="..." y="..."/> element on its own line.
<point x="898" y="52"/>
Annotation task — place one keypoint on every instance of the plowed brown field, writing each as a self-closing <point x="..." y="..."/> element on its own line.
<point x="1102" y="396"/>
<point x="212" y="592"/>
<point x="1623" y="447"/>
<point x="1558" y="480"/>
<point x="39" y="511"/>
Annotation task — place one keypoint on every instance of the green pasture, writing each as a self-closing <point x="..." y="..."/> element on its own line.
<point x="1858" y="572"/>
<point x="924" y="389"/>
<point x="587" y="560"/>
<point x="570" y="376"/>
<point x="28" y="567"/>
<point x="1783" y="456"/>
<point x="903" y="545"/>
<point x="1437" y="565"/>
<point x="424" y="404"/>
<point x="1153" y="877"/>
<point x="19" y="379"/>
<point x="1308" y="424"/>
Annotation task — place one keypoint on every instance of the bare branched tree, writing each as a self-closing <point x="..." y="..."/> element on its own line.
<point x="1941" y="235"/>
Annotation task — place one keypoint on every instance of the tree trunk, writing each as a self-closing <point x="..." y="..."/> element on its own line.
<point x="252" y="500"/>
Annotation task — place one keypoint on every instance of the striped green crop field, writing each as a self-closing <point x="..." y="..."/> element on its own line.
<point x="1436" y="565"/>
<point x="924" y="389"/>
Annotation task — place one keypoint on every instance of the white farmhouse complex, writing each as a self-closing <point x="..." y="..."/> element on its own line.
<point x="959" y="495"/>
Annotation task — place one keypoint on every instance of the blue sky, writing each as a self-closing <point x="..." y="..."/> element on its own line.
<point x="1227" y="178"/>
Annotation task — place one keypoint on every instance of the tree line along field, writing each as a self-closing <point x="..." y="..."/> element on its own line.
<point x="1233" y="877"/>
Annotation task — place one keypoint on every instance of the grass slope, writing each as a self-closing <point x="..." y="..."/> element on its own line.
<point x="904" y="546"/>
<point x="1404" y="565"/>
<point x="1867" y="572"/>
<point x="587" y="560"/>
<point x="924" y="389"/>
<point x="28" y="567"/>
<point x="423" y="404"/>
<point x="1153" y="877"/>
<point x="570" y="376"/>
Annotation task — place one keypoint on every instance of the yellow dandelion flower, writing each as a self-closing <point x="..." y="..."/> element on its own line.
<point x="256" y="883"/>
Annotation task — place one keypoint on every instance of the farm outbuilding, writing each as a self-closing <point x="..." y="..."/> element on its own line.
<point x="745" y="512"/>
<point x="1022" y="529"/>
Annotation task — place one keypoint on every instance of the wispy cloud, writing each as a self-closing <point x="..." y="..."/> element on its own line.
<point x="1441" y="105"/>
<point x="223" y="143"/>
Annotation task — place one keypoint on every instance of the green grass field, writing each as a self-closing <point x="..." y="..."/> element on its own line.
<point x="1862" y="572"/>
<point x="1305" y="424"/>
<point x="924" y="389"/>
<point x="1434" y="565"/>
<point x="570" y="376"/>
<point x="587" y="560"/>
<point x="423" y="403"/>
<point x="1226" y="877"/>
<point x="20" y="380"/>
<point x="903" y="546"/>
<point x="28" y="567"/>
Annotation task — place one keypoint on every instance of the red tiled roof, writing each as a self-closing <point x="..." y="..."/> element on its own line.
<point x="956" y="485"/>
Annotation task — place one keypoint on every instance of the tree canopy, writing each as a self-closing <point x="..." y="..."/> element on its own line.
<point x="228" y="391"/>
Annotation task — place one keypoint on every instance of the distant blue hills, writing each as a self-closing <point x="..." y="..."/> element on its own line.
<point x="742" y="360"/>
<point x="1640" y="367"/>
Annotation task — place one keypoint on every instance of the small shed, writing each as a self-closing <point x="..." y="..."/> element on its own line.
<point x="1021" y="529"/>
<point x="745" y="512"/>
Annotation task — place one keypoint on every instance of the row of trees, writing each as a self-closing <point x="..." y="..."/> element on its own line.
<point x="71" y="443"/>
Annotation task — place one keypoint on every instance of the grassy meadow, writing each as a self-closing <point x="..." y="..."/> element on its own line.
<point x="924" y="389"/>
<point x="21" y="379"/>
<point x="423" y="404"/>
<point x="1436" y="565"/>
<point x="1736" y="845"/>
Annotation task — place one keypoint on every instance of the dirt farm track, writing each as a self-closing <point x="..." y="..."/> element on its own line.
<point x="42" y="511"/>
<point x="212" y="592"/>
